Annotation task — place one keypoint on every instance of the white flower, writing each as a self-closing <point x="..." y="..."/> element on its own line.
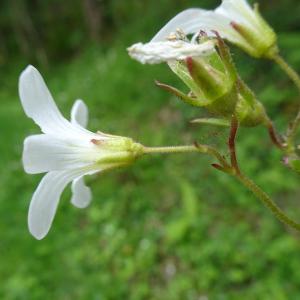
<point x="165" y="51"/>
<point x="65" y="150"/>
<point x="234" y="20"/>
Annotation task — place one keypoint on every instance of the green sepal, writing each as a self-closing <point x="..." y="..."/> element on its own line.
<point x="224" y="106"/>
<point x="249" y="111"/>
<point x="180" y="69"/>
<point x="226" y="57"/>
<point x="179" y="94"/>
<point x="210" y="80"/>
<point x="212" y="121"/>
<point x="117" y="151"/>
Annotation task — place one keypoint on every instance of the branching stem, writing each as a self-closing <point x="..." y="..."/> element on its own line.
<point x="232" y="169"/>
<point x="251" y="186"/>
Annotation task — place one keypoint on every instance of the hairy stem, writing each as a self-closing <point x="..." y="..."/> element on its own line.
<point x="267" y="201"/>
<point x="249" y="184"/>
<point x="294" y="76"/>
<point x="275" y="137"/>
<point x="171" y="149"/>
<point x="205" y="149"/>
<point x="214" y="152"/>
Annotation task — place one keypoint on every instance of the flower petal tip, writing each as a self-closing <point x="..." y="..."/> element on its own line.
<point x="29" y="71"/>
<point x="37" y="232"/>
<point x="30" y="68"/>
<point x="82" y="194"/>
<point x="37" y="236"/>
<point x="79" y="113"/>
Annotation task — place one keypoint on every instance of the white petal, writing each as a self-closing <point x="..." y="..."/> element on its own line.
<point x="210" y="22"/>
<point x="82" y="194"/>
<point x="157" y="52"/>
<point x="191" y="21"/>
<point x="45" y="200"/>
<point x="43" y="153"/>
<point x="38" y="102"/>
<point x="238" y="11"/>
<point x="79" y="113"/>
<point x="182" y="21"/>
<point x="39" y="105"/>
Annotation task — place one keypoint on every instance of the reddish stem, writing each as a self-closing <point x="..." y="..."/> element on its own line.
<point x="277" y="140"/>
<point x="231" y="143"/>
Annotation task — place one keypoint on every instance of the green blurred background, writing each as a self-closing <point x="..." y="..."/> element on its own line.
<point x="168" y="227"/>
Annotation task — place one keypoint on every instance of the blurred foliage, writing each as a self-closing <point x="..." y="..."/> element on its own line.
<point x="168" y="227"/>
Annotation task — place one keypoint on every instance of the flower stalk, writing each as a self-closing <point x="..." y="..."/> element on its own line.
<point x="292" y="74"/>
<point x="170" y="149"/>
<point x="204" y="149"/>
<point x="275" y="137"/>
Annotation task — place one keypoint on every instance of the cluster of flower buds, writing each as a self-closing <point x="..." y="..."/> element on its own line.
<point x="206" y="67"/>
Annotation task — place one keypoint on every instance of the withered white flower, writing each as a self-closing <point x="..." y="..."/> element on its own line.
<point x="165" y="51"/>
<point x="66" y="151"/>
<point x="234" y="20"/>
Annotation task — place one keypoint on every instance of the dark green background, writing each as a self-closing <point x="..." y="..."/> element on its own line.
<point x="168" y="227"/>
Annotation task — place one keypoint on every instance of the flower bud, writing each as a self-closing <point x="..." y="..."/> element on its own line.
<point x="211" y="79"/>
<point x="256" y="37"/>
<point x="208" y="72"/>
